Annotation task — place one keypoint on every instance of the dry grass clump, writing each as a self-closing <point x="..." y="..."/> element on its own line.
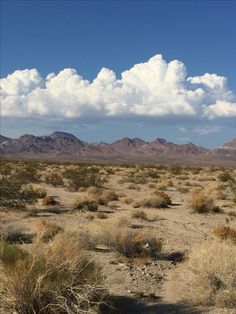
<point x="140" y="214"/>
<point x="203" y="204"/>
<point x="49" y="279"/>
<point x="159" y="200"/>
<point x="133" y="244"/>
<point x="209" y="276"/>
<point x="225" y="233"/>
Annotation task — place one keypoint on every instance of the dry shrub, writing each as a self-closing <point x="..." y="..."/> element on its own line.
<point x="37" y="189"/>
<point x="159" y="200"/>
<point x="49" y="201"/>
<point x="101" y="215"/>
<point x="140" y="214"/>
<point x="107" y="196"/>
<point x="203" y="204"/>
<point x="133" y="186"/>
<point x="50" y="279"/>
<point x="47" y="229"/>
<point x="136" y="205"/>
<point x="86" y="203"/>
<point x="128" y="200"/>
<point x="41" y="192"/>
<point x="123" y="222"/>
<point x="216" y="191"/>
<point x="152" y="185"/>
<point x="133" y="244"/>
<point x="95" y="191"/>
<point x="182" y="189"/>
<point x="209" y="275"/>
<point x="225" y="233"/>
<point x="16" y="234"/>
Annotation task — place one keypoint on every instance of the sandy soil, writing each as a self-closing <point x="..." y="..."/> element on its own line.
<point x="138" y="285"/>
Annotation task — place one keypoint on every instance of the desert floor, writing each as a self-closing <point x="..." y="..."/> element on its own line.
<point x="139" y="284"/>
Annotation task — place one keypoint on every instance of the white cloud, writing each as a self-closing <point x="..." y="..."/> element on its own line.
<point x="221" y="109"/>
<point x="151" y="89"/>
<point x="183" y="130"/>
<point x="208" y="130"/>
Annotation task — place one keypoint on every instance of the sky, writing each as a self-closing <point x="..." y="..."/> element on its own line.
<point x="104" y="70"/>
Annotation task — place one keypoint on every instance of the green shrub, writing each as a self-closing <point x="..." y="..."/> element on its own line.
<point x="83" y="177"/>
<point x="54" y="179"/>
<point x="14" y="195"/>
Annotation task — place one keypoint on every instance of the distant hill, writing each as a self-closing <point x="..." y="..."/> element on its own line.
<point x="4" y="138"/>
<point x="62" y="145"/>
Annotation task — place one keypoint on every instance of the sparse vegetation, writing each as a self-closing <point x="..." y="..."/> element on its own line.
<point x="54" y="226"/>
<point x="208" y="277"/>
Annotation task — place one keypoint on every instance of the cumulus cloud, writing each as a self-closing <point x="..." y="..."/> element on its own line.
<point x="154" y="88"/>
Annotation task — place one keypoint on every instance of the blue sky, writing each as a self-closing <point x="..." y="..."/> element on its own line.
<point x="51" y="36"/>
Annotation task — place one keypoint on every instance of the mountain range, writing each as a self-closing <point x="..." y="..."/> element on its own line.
<point x="65" y="146"/>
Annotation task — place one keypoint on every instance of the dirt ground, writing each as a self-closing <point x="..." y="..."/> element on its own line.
<point x="139" y="285"/>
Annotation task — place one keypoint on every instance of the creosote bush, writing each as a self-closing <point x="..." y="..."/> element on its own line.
<point x="14" y="195"/>
<point x="54" y="179"/>
<point x="83" y="177"/>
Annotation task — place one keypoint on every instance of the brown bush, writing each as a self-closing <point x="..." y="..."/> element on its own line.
<point x="49" y="201"/>
<point x="86" y="203"/>
<point x="140" y="214"/>
<point x="47" y="229"/>
<point x="133" y="244"/>
<point x="225" y="233"/>
<point x="203" y="204"/>
<point x="159" y="200"/>
<point x="101" y="215"/>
